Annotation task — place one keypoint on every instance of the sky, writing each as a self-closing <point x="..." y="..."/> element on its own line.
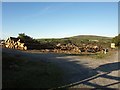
<point x="60" y="19"/>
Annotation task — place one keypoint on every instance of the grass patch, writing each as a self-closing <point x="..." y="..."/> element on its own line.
<point x="102" y="55"/>
<point x="22" y="73"/>
<point x="98" y="55"/>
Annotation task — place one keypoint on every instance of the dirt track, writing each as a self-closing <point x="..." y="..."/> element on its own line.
<point x="80" y="72"/>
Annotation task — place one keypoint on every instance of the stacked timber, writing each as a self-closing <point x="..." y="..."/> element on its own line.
<point x="15" y="43"/>
<point x="71" y="48"/>
<point x="67" y="48"/>
<point x="2" y="43"/>
<point x="90" y="48"/>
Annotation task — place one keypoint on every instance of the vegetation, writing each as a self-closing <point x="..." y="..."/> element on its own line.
<point x="76" y="40"/>
<point x="19" y="72"/>
<point x="27" y="38"/>
<point x="100" y="56"/>
<point x="79" y="40"/>
<point x="23" y="36"/>
<point x="116" y="40"/>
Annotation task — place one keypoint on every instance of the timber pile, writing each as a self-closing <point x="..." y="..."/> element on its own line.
<point x="90" y="48"/>
<point x="67" y="48"/>
<point x="63" y="48"/>
<point x="15" y="43"/>
<point x="71" y="48"/>
<point x="2" y="43"/>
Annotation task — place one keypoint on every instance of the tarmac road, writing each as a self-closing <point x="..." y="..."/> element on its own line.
<point x="79" y="72"/>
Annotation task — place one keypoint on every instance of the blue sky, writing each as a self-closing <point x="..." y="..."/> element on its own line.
<point x="56" y="20"/>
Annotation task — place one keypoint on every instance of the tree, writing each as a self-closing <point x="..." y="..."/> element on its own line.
<point x="23" y="36"/>
<point x="116" y="40"/>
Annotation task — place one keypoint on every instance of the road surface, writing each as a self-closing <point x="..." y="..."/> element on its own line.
<point x="79" y="72"/>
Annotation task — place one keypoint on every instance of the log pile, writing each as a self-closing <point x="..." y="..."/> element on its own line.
<point x="71" y="48"/>
<point x="67" y="48"/>
<point x="90" y="48"/>
<point x="2" y="43"/>
<point x="15" y="43"/>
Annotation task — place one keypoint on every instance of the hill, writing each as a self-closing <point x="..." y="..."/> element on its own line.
<point x="81" y="37"/>
<point x="79" y="40"/>
<point x="91" y="37"/>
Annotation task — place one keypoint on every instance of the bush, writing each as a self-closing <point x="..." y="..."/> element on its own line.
<point x="116" y="40"/>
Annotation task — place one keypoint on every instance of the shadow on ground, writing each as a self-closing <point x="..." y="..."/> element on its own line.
<point x="76" y="73"/>
<point x="80" y="74"/>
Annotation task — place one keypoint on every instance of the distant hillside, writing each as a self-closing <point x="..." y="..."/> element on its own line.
<point x="83" y="37"/>
<point x="79" y="40"/>
<point x="93" y="37"/>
